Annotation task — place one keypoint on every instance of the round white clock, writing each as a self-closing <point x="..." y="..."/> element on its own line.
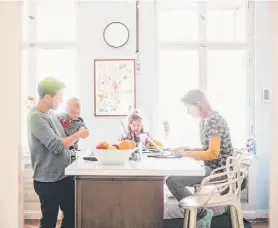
<point x="116" y="34"/>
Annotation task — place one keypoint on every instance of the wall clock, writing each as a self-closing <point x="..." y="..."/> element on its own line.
<point x="116" y="34"/>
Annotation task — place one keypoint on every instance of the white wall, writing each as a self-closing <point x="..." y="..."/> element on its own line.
<point x="95" y="17"/>
<point x="262" y="110"/>
<point x="273" y="48"/>
<point x="10" y="200"/>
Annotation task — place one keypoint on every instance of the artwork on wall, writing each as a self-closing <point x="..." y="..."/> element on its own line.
<point x="114" y="89"/>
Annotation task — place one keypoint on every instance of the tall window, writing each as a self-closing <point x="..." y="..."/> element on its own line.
<point x="204" y="45"/>
<point x="49" y="49"/>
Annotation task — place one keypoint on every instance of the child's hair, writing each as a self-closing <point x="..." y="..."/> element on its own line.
<point x="135" y="115"/>
<point x="74" y="101"/>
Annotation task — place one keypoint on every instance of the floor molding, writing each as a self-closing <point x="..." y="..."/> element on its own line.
<point x="261" y="214"/>
<point x="33" y="214"/>
<point x="249" y="214"/>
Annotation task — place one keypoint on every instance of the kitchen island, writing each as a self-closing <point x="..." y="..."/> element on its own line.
<point x="125" y="196"/>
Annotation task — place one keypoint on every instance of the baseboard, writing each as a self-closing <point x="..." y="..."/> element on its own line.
<point x="249" y="214"/>
<point x="255" y="214"/>
<point x="33" y="214"/>
<point x="262" y="214"/>
<point x="246" y="214"/>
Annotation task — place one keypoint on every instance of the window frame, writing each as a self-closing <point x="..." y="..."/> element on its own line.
<point x="203" y="45"/>
<point x="32" y="44"/>
<point x="249" y="45"/>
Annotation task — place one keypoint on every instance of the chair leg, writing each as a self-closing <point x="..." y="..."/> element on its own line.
<point x="234" y="219"/>
<point x="193" y="218"/>
<point x="239" y="215"/>
<point x="186" y="218"/>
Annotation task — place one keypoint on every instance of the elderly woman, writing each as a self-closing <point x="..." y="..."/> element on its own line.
<point x="216" y="147"/>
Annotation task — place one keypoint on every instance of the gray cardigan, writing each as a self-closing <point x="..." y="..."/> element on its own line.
<point x="49" y="156"/>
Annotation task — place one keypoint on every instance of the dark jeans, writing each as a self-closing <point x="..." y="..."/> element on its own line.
<point x="55" y="195"/>
<point x="178" y="187"/>
<point x="178" y="184"/>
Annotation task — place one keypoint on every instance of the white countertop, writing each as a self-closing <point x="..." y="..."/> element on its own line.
<point x="146" y="167"/>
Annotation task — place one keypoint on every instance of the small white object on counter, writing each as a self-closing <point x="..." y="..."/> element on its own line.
<point x="146" y="167"/>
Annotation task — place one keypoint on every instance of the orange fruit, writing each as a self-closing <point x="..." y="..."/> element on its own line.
<point x="126" y="145"/>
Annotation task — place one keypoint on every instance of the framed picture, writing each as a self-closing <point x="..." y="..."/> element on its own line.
<point x="114" y="86"/>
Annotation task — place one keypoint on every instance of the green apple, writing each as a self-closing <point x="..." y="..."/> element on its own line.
<point x="111" y="148"/>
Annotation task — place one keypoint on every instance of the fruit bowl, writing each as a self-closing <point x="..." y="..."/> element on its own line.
<point x="113" y="157"/>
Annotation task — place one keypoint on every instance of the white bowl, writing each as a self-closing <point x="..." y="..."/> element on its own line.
<point x="113" y="157"/>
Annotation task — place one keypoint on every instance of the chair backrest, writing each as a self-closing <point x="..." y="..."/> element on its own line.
<point x="237" y="170"/>
<point x="243" y="153"/>
<point x="245" y="156"/>
<point x="228" y="182"/>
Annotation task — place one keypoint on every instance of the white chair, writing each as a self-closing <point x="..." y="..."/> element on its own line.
<point x="239" y="153"/>
<point x="219" y="189"/>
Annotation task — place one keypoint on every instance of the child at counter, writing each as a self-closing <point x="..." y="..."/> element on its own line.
<point x="135" y="130"/>
<point x="71" y="121"/>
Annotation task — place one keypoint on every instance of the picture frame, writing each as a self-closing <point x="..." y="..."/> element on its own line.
<point x="114" y="86"/>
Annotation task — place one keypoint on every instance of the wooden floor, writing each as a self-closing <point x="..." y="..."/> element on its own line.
<point x="261" y="225"/>
<point x="35" y="224"/>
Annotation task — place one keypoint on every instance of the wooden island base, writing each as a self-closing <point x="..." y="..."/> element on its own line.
<point x="119" y="202"/>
